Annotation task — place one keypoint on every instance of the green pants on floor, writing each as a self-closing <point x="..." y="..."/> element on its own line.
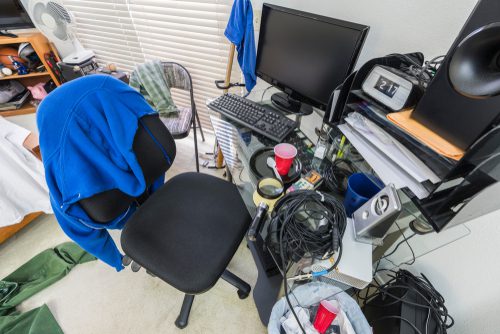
<point x="38" y="273"/>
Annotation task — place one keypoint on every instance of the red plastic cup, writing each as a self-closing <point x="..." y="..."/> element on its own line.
<point x="284" y="154"/>
<point x="325" y="316"/>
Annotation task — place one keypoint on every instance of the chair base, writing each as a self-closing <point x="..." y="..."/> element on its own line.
<point x="182" y="320"/>
<point x="243" y="292"/>
<point x="242" y="286"/>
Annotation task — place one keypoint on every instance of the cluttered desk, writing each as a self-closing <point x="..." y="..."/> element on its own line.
<point x="326" y="209"/>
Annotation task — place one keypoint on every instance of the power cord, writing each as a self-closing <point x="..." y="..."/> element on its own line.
<point x="7" y="34"/>
<point x="423" y="73"/>
<point x="308" y="224"/>
<point x="264" y="93"/>
<point x="386" y="257"/>
<point x="399" y="244"/>
<point x="336" y="175"/>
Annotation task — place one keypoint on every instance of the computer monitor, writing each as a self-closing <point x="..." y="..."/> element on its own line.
<point x="13" y="15"/>
<point x="306" y="56"/>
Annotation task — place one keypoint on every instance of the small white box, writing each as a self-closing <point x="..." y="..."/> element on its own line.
<point x="355" y="266"/>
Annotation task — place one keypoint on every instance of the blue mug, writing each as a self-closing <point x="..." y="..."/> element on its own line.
<point x="360" y="188"/>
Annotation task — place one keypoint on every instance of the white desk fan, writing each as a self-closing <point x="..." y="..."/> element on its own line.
<point x="56" y="23"/>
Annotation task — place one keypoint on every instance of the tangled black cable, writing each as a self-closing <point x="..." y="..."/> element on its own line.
<point x="336" y="175"/>
<point x="306" y="223"/>
<point x="406" y="282"/>
<point x="423" y="73"/>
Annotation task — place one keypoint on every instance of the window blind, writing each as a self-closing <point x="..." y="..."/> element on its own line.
<point x="106" y="28"/>
<point x="189" y="32"/>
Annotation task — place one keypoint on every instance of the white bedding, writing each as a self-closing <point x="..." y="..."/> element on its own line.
<point x="22" y="182"/>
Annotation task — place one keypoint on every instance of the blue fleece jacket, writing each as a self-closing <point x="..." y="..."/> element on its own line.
<point x="239" y="31"/>
<point x="87" y="129"/>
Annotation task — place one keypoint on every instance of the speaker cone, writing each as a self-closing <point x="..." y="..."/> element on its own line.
<point x="474" y="66"/>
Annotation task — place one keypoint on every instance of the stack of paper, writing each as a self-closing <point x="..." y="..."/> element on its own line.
<point x="392" y="162"/>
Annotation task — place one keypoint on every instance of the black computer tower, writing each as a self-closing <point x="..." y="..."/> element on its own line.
<point x="385" y="314"/>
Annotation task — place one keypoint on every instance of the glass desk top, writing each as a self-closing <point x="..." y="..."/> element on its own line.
<point x="238" y="144"/>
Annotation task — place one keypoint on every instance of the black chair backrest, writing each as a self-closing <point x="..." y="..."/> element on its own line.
<point x="150" y="153"/>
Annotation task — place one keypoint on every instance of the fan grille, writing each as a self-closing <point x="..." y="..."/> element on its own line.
<point x="59" y="11"/>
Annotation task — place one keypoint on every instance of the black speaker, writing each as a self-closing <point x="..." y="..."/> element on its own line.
<point x="463" y="100"/>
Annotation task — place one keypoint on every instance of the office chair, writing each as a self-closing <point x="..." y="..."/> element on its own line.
<point x="180" y="124"/>
<point x="187" y="231"/>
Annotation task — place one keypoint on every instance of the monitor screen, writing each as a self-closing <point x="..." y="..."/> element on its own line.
<point x="306" y="55"/>
<point x="13" y="15"/>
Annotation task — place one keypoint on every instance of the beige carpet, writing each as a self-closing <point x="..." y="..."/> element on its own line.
<point x="94" y="298"/>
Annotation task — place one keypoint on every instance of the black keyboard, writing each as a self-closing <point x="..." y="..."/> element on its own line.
<point x="267" y="122"/>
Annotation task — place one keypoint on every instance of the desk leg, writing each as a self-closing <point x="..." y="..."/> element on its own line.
<point x="229" y="175"/>
<point x="269" y="280"/>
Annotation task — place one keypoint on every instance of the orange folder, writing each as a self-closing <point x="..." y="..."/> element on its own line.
<point x="425" y="135"/>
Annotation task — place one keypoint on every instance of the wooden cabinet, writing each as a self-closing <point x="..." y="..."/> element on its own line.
<point x="9" y="231"/>
<point x="41" y="46"/>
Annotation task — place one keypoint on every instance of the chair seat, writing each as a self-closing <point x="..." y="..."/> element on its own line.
<point x="187" y="232"/>
<point x="179" y="124"/>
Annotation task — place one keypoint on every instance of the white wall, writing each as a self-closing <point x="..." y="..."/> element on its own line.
<point x="466" y="272"/>
<point x="400" y="26"/>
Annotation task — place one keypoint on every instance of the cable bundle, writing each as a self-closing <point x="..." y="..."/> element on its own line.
<point x="306" y="223"/>
<point x="336" y="175"/>
<point x="405" y="282"/>
<point x="423" y="73"/>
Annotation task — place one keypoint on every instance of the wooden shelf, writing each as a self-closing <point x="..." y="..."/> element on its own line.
<point x="8" y="231"/>
<point x="41" y="46"/>
<point x="29" y="75"/>
<point x="22" y="38"/>
<point x="27" y="108"/>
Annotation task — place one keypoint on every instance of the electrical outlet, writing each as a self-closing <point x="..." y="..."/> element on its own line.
<point x="256" y="19"/>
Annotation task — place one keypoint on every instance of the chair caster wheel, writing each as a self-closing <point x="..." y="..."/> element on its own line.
<point x="126" y="261"/>
<point x="180" y="324"/>
<point x="135" y="267"/>
<point x="243" y="294"/>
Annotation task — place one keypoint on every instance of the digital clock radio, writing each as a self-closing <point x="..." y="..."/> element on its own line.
<point x="393" y="88"/>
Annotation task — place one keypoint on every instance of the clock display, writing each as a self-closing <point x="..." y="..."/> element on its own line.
<point x="386" y="86"/>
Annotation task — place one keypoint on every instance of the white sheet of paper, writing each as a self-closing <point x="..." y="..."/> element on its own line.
<point x="386" y="169"/>
<point x="392" y="149"/>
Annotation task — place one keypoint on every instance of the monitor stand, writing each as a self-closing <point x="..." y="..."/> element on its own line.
<point x="289" y="105"/>
<point x="7" y="34"/>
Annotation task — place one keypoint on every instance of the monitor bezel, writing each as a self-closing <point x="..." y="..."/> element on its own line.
<point x="22" y="25"/>
<point x="363" y="32"/>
